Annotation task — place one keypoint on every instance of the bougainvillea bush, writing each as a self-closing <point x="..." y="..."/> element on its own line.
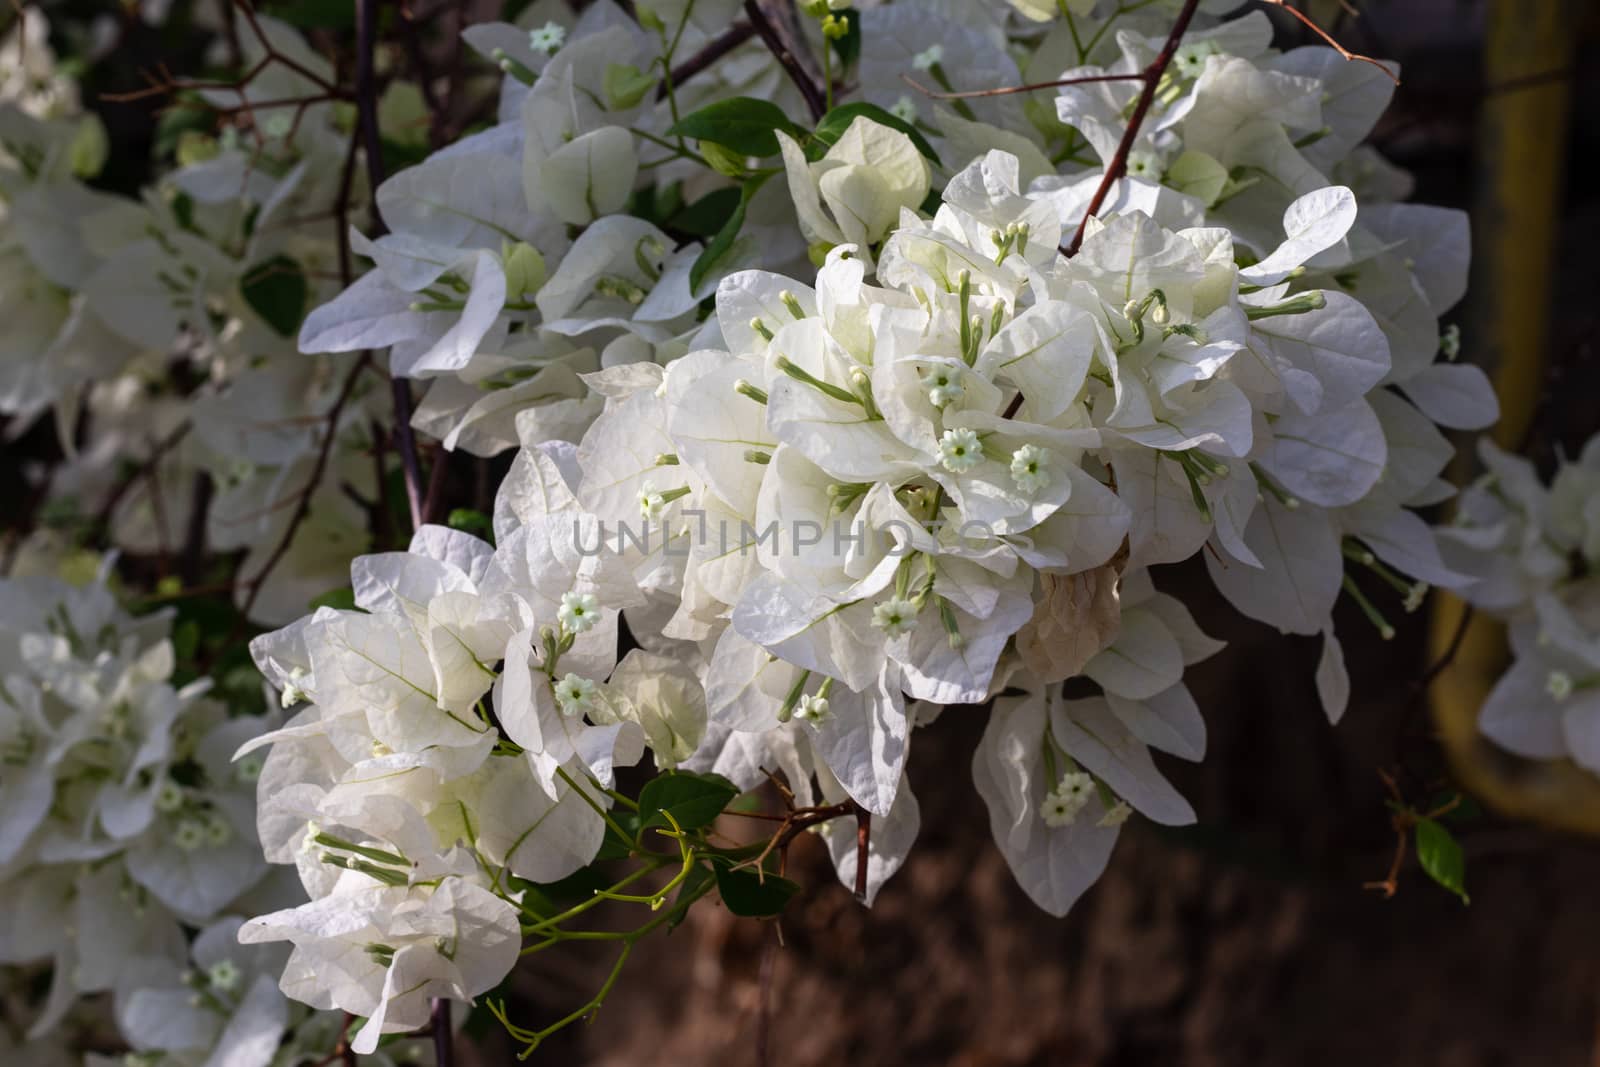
<point x="510" y="479"/>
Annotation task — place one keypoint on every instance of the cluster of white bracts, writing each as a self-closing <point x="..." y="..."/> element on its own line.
<point x="124" y="820"/>
<point x="877" y="460"/>
<point x="1536" y="548"/>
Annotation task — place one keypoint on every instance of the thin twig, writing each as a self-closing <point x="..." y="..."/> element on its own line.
<point x="1440" y="665"/>
<point x="715" y="49"/>
<point x="1008" y="90"/>
<point x="318" y="468"/>
<point x="157" y="452"/>
<point x="816" y="103"/>
<point x="1307" y="21"/>
<point x="299" y="68"/>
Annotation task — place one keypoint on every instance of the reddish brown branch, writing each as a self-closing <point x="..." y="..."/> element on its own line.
<point x="372" y="149"/>
<point x="1306" y="20"/>
<point x="715" y="49"/>
<point x="863" y="839"/>
<point x="816" y="103"/>
<point x="1118" y="166"/>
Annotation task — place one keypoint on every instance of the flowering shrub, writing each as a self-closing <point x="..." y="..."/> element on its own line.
<point x="842" y="364"/>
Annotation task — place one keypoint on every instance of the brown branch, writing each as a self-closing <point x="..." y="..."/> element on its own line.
<point x="299" y="68"/>
<point x="318" y="468"/>
<point x="816" y="103"/>
<point x="863" y="838"/>
<point x="715" y="49"/>
<point x="444" y="1052"/>
<point x="796" y="822"/>
<point x="1400" y="821"/>
<point x="1307" y="21"/>
<point x="1119" y="161"/>
<point x="372" y="149"/>
<point x="438" y="474"/>
<point x="1453" y="649"/>
<point x="146" y="470"/>
<point x="1008" y="90"/>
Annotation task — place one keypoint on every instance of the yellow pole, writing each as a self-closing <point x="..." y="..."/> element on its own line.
<point x="1530" y="47"/>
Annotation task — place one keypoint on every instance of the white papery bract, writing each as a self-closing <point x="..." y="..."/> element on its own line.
<point x="1534" y="547"/>
<point x="121" y="814"/>
<point x="841" y="421"/>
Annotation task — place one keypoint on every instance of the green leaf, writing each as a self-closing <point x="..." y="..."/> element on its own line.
<point x="694" y="800"/>
<point x="1440" y="855"/>
<point x="719" y="245"/>
<point x="276" y="288"/>
<point x="751" y="893"/>
<point x="343" y="599"/>
<point x="709" y="214"/>
<point x="185" y="640"/>
<point x="315" y="14"/>
<point x="741" y="123"/>
<point x="835" y="122"/>
<point x="473" y="522"/>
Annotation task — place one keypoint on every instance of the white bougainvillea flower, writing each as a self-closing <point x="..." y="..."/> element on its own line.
<point x="382" y="952"/>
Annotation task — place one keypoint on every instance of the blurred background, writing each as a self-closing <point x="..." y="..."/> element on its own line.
<point x="1249" y="938"/>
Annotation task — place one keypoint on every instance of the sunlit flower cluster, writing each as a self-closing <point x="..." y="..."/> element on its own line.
<point x="824" y="404"/>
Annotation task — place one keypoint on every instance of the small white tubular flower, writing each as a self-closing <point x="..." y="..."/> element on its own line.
<point x="218" y="832"/>
<point x="895" y="616"/>
<point x="579" y="612"/>
<point x="1450" y="342"/>
<point x="928" y="57"/>
<point x="1116" y="814"/>
<point x="943" y="385"/>
<point x="292" y="692"/>
<point x="189" y="834"/>
<point x="651" y="502"/>
<point x="1144" y="165"/>
<point x="960" y="450"/>
<point x="1058" y="811"/>
<point x="575" y="694"/>
<point x="1559" y="685"/>
<point x="1070" y="796"/>
<point x="223" y="976"/>
<point x="1028" y="468"/>
<point x="547" y="38"/>
<point x="813" y="708"/>
<point x="1415" y="596"/>
<point x="904" y="109"/>
<point x="169" y="797"/>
